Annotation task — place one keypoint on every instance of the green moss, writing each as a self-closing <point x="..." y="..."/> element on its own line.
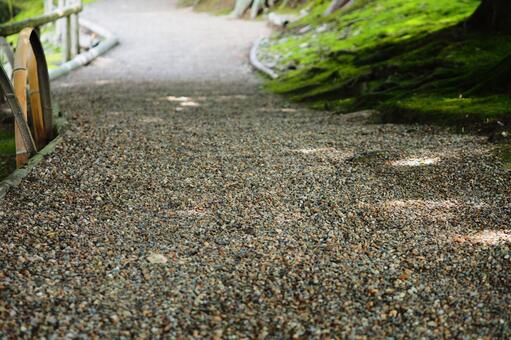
<point x="27" y="9"/>
<point x="32" y="8"/>
<point x="7" y="154"/>
<point x="216" y="7"/>
<point x="410" y="58"/>
<point x="449" y="110"/>
<point x="504" y="153"/>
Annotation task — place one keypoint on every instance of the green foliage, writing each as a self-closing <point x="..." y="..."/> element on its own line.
<point x="223" y="7"/>
<point x="216" y="7"/>
<point x="505" y="155"/>
<point x="412" y="59"/>
<point x="7" y="153"/>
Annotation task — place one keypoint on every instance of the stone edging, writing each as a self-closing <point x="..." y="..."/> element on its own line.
<point x="110" y="41"/>
<point x="258" y="65"/>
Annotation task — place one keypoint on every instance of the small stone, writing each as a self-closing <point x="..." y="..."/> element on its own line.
<point x="157" y="259"/>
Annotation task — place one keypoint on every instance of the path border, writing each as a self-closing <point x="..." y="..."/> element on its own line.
<point x="257" y="64"/>
<point x="109" y="42"/>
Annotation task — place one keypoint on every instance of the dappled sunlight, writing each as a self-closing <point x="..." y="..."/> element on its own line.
<point x="151" y="120"/>
<point x="416" y="208"/>
<point x="177" y="99"/>
<point x="311" y="151"/>
<point x="488" y="237"/>
<point x="274" y="109"/>
<point x="421" y="204"/>
<point x="326" y="155"/>
<point x="183" y="101"/>
<point x="104" y="82"/>
<point x="415" y="162"/>
<point x="190" y="104"/>
<point x="221" y="98"/>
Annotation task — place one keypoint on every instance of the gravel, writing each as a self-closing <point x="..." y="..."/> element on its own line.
<point x="209" y="208"/>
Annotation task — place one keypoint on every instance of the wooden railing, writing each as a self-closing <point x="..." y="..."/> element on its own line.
<point x="33" y="124"/>
<point x="70" y="33"/>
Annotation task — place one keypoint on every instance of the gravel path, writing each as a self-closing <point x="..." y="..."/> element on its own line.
<point x="186" y="201"/>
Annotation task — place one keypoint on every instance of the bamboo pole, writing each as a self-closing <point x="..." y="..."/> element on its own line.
<point x="67" y="40"/>
<point x="30" y="66"/>
<point x="20" y="90"/>
<point x="35" y="102"/>
<point x="12" y="101"/>
<point x="16" y="27"/>
<point x="75" y="29"/>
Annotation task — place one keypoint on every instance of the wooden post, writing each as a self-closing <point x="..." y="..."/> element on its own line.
<point x="75" y="29"/>
<point x="64" y="25"/>
<point x="60" y="23"/>
<point x="68" y="40"/>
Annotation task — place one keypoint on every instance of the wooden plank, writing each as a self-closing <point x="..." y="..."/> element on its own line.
<point x="16" y="27"/>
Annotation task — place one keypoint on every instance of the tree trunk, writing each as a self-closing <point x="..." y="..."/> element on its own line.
<point x="335" y="5"/>
<point x="240" y="8"/>
<point x="492" y="15"/>
<point x="256" y="7"/>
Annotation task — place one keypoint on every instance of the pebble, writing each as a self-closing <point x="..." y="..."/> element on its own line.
<point x="212" y="224"/>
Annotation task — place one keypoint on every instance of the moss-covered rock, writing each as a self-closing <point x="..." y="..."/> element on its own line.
<point x="414" y="60"/>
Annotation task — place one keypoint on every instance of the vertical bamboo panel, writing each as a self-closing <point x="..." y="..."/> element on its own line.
<point x="19" y="79"/>
<point x="35" y="103"/>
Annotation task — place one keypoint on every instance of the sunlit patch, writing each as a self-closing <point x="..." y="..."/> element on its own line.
<point x="422" y="204"/>
<point x="177" y="99"/>
<point x="416" y="162"/>
<point x="490" y="237"/>
<point x="314" y="151"/>
<point x="151" y="120"/>
<point x="276" y="109"/>
<point x="189" y="104"/>
<point x="104" y="82"/>
<point x="415" y="208"/>
<point x="183" y="101"/>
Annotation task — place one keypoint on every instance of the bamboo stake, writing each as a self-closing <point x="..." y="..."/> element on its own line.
<point x="35" y="102"/>
<point x="75" y="29"/>
<point x="20" y="90"/>
<point x="66" y="43"/>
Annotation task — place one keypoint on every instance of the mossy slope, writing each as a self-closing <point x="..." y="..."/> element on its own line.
<point x="412" y="59"/>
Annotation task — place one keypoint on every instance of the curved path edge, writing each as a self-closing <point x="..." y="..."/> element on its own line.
<point x="257" y="64"/>
<point x="85" y="58"/>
